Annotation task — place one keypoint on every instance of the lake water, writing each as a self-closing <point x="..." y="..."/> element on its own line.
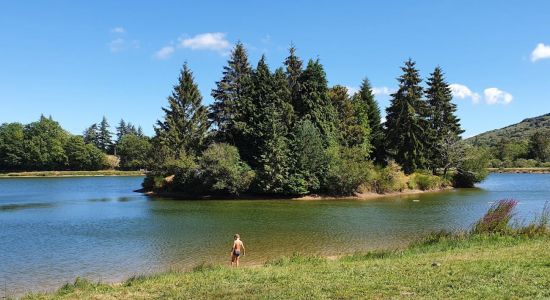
<point x="55" y="229"/>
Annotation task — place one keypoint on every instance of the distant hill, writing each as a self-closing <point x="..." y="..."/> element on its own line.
<point x="516" y="132"/>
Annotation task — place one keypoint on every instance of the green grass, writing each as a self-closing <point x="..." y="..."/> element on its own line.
<point x="72" y="173"/>
<point x="442" y="266"/>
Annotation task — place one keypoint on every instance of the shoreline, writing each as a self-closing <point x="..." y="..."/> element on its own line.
<point x="541" y="170"/>
<point x="423" y="269"/>
<point x="313" y="197"/>
<point x="47" y="174"/>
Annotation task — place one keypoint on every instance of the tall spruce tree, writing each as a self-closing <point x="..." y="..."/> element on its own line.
<point x="271" y="150"/>
<point x="293" y="71"/>
<point x="367" y="105"/>
<point x="229" y="95"/>
<point x="183" y="130"/>
<point x="104" y="136"/>
<point x="90" y="135"/>
<point x="313" y="102"/>
<point x="445" y="127"/>
<point x="352" y="120"/>
<point x="406" y="121"/>
<point x="121" y="130"/>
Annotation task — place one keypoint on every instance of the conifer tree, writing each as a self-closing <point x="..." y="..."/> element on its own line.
<point x="293" y="71"/>
<point x="352" y="120"/>
<point x="313" y="102"/>
<point x="367" y="105"/>
<point x="104" y="136"/>
<point x="90" y="135"/>
<point x="121" y="130"/>
<point x="406" y="121"/>
<point x="185" y="123"/>
<point x="229" y="94"/>
<point x="444" y="124"/>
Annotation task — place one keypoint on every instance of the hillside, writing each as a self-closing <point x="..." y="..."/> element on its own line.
<point x="516" y="132"/>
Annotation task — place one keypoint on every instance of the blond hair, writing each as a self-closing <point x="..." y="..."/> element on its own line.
<point x="236" y="236"/>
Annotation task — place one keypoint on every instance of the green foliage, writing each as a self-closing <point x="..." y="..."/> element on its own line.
<point x="104" y="136"/>
<point x="349" y="169"/>
<point x="133" y="151"/>
<point x="223" y="172"/>
<point x="368" y="111"/>
<point x="407" y="128"/>
<point x="44" y="145"/>
<point x="230" y="95"/>
<point x="12" y="141"/>
<point x="539" y="146"/>
<point x="444" y="126"/>
<point x="353" y="124"/>
<point x="425" y="181"/>
<point x="82" y="156"/>
<point x="472" y="168"/>
<point x="310" y="158"/>
<point x="387" y="179"/>
<point x="185" y="121"/>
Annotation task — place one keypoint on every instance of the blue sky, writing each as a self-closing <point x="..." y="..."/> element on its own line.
<point x="80" y="60"/>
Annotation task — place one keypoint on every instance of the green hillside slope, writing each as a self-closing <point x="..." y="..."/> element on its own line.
<point x="516" y="132"/>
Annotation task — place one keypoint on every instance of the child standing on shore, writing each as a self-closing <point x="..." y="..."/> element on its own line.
<point x="238" y="246"/>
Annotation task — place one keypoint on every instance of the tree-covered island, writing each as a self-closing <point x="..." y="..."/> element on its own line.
<point x="287" y="133"/>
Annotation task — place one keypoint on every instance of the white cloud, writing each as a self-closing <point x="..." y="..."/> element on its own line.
<point x="382" y="91"/>
<point x="541" y="52"/>
<point x="117" y="45"/>
<point x="207" y="41"/>
<point x="119" y="30"/>
<point x="496" y="96"/>
<point x="164" y="52"/>
<point x="461" y="91"/>
<point x="352" y="90"/>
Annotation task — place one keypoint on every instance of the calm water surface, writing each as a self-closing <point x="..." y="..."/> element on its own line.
<point x="55" y="229"/>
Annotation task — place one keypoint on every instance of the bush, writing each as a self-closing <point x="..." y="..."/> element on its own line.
<point x="423" y="181"/>
<point x="497" y="218"/>
<point x="349" y="170"/>
<point x="223" y="172"/>
<point x="153" y="182"/>
<point x="472" y="168"/>
<point x="387" y="179"/>
<point x="111" y="162"/>
<point x="525" y="163"/>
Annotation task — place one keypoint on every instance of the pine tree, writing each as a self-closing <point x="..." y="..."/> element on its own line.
<point x="406" y="121"/>
<point x="444" y="125"/>
<point x="367" y="105"/>
<point x="185" y="123"/>
<point x="270" y="146"/>
<point x="121" y="130"/>
<point x="293" y="71"/>
<point x="104" y="136"/>
<point x="352" y="120"/>
<point x="313" y="102"/>
<point x="229" y="94"/>
<point x="90" y="135"/>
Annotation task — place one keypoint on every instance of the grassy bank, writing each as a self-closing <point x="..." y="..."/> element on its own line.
<point x="520" y="170"/>
<point x="478" y="266"/>
<point x="72" y="173"/>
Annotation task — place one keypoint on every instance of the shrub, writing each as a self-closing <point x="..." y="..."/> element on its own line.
<point x="111" y="162"/>
<point x="153" y="182"/>
<point x="423" y="181"/>
<point x="472" y="168"/>
<point x="497" y="218"/>
<point x="525" y="163"/>
<point x="387" y="179"/>
<point x="223" y="172"/>
<point x="349" y="170"/>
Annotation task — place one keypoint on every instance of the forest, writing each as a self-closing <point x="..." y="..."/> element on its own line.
<point x="286" y="132"/>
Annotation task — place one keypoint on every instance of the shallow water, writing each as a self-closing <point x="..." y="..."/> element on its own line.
<point x="55" y="229"/>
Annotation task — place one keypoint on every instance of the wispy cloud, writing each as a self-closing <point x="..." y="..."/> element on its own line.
<point x="382" y="90"/>
<point x="542" y="51"/>
<point x="352" y="90"/>
<point x="495" y="96"/>
<point x="119" y="42"/>
<point x="164" y="52"/>
<point x="117" y="45"/>
<point x="118" y="30"/>
<point x="214" y="41"/>
<point x="462" y="92"/>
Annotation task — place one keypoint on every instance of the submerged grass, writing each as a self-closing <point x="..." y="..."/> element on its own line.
<point x="447" y="266"/>
<point x="510" y="263"/>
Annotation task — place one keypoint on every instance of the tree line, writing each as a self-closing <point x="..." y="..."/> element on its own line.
<point x="45" y="145"/>
<point x="287" y="132"/>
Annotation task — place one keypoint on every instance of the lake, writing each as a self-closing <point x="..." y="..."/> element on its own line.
<point x="55" y="229"/>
